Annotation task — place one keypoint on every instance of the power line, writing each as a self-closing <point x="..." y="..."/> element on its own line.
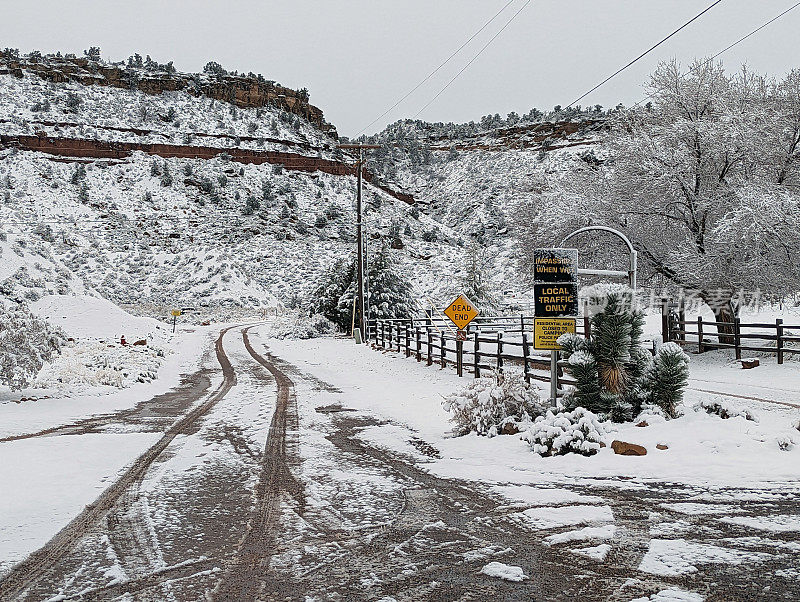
<point x="472" y="60"/>
<point x="432" y="73"/>
<point x="621" y="69"/>
<point x="740" y="40"/>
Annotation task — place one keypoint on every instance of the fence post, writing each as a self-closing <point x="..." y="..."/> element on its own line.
<point x="383" y="334"/>
<point x="521" y="323"/>
<point x="499" y="352"/>
<point x="665" y="333"/>
<point x="587" y="322"/>
<point x="460" y="357"/>
<point x="737" y="338"/>
<point x="779" y="340"/>
<point x="477" y="354"/>
<point x="430" y="347"/>
<point x="419" y="343"/>
<point x="525" y="369"/>
<point x="443" y="348"/>
<point x="408" y="341"/>
<point x="699" y="334"/>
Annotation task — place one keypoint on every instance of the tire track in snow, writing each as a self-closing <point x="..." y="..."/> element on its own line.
<point x="38" y="564"/>
<point x="244" y="580"/>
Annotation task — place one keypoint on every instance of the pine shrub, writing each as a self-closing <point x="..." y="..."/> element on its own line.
<point x="668" y="377"/>
<point x="614" y="375"/>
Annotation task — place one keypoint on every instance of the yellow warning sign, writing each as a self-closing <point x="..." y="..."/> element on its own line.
<point x="547" y="330"/>
<point x="176" y="312"/>
<point x="461" y="311"/>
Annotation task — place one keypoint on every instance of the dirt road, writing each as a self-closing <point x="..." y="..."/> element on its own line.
<point x="262" y="489"/>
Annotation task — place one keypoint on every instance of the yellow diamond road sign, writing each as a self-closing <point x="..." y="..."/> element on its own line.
<point x="461" y="312"/>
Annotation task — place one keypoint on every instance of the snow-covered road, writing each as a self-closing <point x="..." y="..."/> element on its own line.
<point x="319" y="470"/>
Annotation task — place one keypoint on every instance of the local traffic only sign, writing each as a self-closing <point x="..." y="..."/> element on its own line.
<point x="461" y="312"/>
<point x="555" y="291"/>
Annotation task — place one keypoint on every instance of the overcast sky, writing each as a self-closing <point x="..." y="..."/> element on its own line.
<point x="357" y="57"/>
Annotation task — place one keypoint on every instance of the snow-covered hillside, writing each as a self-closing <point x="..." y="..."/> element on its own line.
<point x="68" y="109"/>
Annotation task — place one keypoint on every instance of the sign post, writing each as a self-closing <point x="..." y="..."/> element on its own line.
<point x="175" y="314"/>
<point x="555" y="292"/>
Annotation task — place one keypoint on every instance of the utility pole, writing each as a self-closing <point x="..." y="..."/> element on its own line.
<point x="360" y="301"/>
<point x="360" y="237"/>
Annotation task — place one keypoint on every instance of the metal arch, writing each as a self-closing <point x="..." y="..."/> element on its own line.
<point x="631" y="273"/>
<point x="604" y="229"/>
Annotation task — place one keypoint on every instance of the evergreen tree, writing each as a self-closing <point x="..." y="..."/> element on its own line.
<point x="78" y="175"/>
<point x="611" y="367"/>
<point x="668" y="377"/>
<point x="155" y="167"/>
<point x="475" y="284"/>
<point x="166" y="177"/>
<point x="389" y="293"/>
<point x="326" y="298"/>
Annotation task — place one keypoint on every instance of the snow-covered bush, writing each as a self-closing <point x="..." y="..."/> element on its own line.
<point x="785" y="442"/>
<point x="486" y="404"/>
<point x="614" y="375"/>
<point x="90" y="363"/>
<point x="578" y="431"/>
<point x="726" y="409"/>
<point x="667" y="377"/>
<point x="304" y="327"/>
<point x="26" y="343"/>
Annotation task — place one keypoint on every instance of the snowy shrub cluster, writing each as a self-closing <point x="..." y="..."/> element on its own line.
<point x="95" y="363"/>
<point x="726" y="409"/>
<point x="785" y="442"/>
<point x="613" y="373"/>
<point x="578" y="431"/>
<point x="26" y="343"/>
<point x="304" y="327"/>
<point x="486" y="404"/>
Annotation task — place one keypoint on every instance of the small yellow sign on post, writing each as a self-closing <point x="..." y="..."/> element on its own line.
<point x="461" y="312"/>
<point x="176" y="312"/>
<point x="547" y="330"/>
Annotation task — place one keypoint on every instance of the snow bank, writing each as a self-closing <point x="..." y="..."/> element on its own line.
<point x="81" y="316"/>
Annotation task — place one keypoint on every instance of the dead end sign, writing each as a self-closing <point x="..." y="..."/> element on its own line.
<point x="461" y="311"/>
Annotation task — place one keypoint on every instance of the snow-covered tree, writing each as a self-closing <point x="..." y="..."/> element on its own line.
<point x="610" y="366"/>
<point x="475" y="283"/>
<point x="388" y="291"/>
<point x="667" y="377"/>
<point x="26" y="343"/>
<point x="705" y="182"/>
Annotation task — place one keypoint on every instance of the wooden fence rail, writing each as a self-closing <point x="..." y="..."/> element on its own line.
<point x="484" y="350"/>
<point x="736" y="335"/>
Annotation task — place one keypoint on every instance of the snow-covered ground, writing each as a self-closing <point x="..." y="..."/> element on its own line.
<point x="735" y="452"/>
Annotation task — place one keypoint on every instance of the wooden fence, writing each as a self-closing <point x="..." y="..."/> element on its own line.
<point x="737" y="335"/>
<point x="492" y="344"/>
